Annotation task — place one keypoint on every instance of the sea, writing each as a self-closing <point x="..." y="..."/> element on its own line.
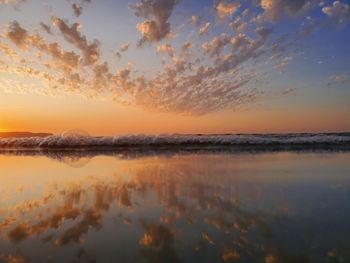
<point x="175" y="198"/>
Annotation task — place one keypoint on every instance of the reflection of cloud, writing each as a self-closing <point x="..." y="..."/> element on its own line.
<point x="188" y="196"/>
<point x="13" y="259"/>
<point x="208" y="238"/>
<point x="54" y="221"/>
<point x="75" y="162"/>
<point x="277" y="254"/>
<point x="159" y="241"/>
<point x="230" y="255"/>
<point x="75" y="233"/>
<point x="85" y="203"/>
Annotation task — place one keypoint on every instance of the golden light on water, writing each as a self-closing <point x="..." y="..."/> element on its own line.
<point x="238" y="206"/>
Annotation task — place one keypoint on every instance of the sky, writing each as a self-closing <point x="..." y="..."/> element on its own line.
<point x="113" y="67"/>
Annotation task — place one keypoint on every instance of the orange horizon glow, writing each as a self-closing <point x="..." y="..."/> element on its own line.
<point x="146" y="123"/>
<point x="178" y="67"/>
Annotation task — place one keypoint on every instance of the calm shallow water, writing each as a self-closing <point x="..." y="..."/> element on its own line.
<point x="266" y="207"/>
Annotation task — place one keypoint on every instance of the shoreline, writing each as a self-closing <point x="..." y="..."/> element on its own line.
<point x="135" y="152"/>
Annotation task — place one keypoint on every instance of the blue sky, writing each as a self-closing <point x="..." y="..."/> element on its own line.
<point x="239" y="55"/>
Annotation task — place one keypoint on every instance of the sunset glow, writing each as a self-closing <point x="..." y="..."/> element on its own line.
<point x="175" y="131"/>
<point x="153" y="66"/>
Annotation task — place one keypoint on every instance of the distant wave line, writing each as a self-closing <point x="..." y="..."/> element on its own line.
<point x="176" y="140"/>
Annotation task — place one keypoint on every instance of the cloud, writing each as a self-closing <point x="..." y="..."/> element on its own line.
<point x="46" y="28"/>
<point x="157" y="13"/>
<point x="338" y="79"/>
<point x="151" y="31"/>
<point x="185" y="77"/>
<point x="205" y="29"/>
<point x="91" y="51"/>
<point x="186" y="47"/>
<point x="54" y="66"/>
<point x="7" y="50"/>
<point x="338" y="12"/>
<point x="167" y="49"/>
<point x="175" y="88"/>
<point x="215" y="46"/>
<point x="125" y="47"/>
<point x="77" y="9"/>
<point x="17" y="34"/>
<point x="194" y="76"/>
<point x="196" y="20"/>
<point x="12" y="2"/>
<point x="289" y="90"/>
<point x="24" y="40"/>
<point x="238" y="24"/>
<point x="284" y="63"/>
<point x="274" y="9"/>
<point x="225" y="9"/>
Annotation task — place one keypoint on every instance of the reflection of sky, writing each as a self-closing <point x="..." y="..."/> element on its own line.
<point x="207" y="207"/>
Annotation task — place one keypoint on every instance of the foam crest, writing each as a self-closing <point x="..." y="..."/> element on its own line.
<point x="76" y="140"/>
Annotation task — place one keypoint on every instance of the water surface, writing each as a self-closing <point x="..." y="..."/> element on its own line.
<point x="190" y="207"/>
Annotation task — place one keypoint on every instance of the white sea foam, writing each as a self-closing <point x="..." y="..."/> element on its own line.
<point x="77" y="140"/>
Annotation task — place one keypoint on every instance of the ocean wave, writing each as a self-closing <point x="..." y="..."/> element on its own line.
<point x="199" y="140"/>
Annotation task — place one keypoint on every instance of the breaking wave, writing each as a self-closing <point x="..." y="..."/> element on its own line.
<point x="76" y="140"/>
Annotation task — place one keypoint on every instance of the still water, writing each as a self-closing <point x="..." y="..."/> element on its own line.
<point x="238" y="207"/>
